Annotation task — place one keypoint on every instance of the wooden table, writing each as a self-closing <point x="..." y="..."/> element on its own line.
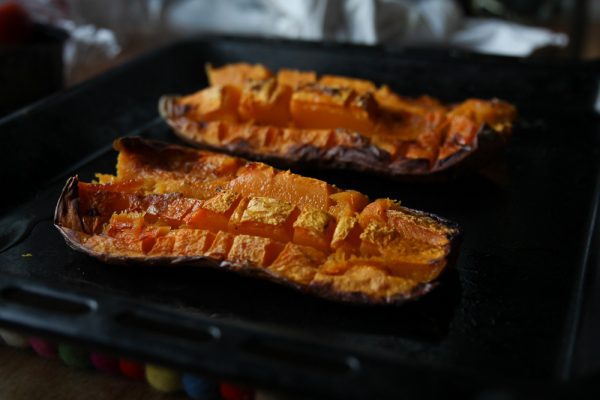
<point x="26" y="376"/>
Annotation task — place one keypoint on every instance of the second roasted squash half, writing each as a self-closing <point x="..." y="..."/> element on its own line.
<point x="331" y="121"/>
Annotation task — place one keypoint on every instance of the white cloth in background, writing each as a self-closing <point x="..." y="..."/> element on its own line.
<point x="495" y="36"/>
<point x="402" y="22"/>
<point x="100" y="30"/>
<point x="357" y="21"/>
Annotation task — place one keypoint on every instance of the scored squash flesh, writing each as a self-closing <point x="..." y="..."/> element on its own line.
<point x="169" y="204"/>
<point x="333" y="121"/>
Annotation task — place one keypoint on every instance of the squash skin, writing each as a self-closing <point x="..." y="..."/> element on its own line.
<point x="69" y="223"/>
<point x="481" y="128"/>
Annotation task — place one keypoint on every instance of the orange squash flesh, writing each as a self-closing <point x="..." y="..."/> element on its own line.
<point x="250" y="217"/>
<point x="334" y="121"/>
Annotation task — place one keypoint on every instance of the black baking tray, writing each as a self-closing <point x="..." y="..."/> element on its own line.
<point x="516" y="318"/>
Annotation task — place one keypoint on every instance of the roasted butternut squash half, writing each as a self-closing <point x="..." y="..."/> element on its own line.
<point x="295" y="117"/>
<point x="169" y="204"/>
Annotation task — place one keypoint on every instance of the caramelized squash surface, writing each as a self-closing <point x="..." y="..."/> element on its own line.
<point x="169" y="204"/>
<point x="334" y="121"/>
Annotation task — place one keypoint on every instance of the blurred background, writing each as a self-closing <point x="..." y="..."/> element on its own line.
<point x="46" y="45"/>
